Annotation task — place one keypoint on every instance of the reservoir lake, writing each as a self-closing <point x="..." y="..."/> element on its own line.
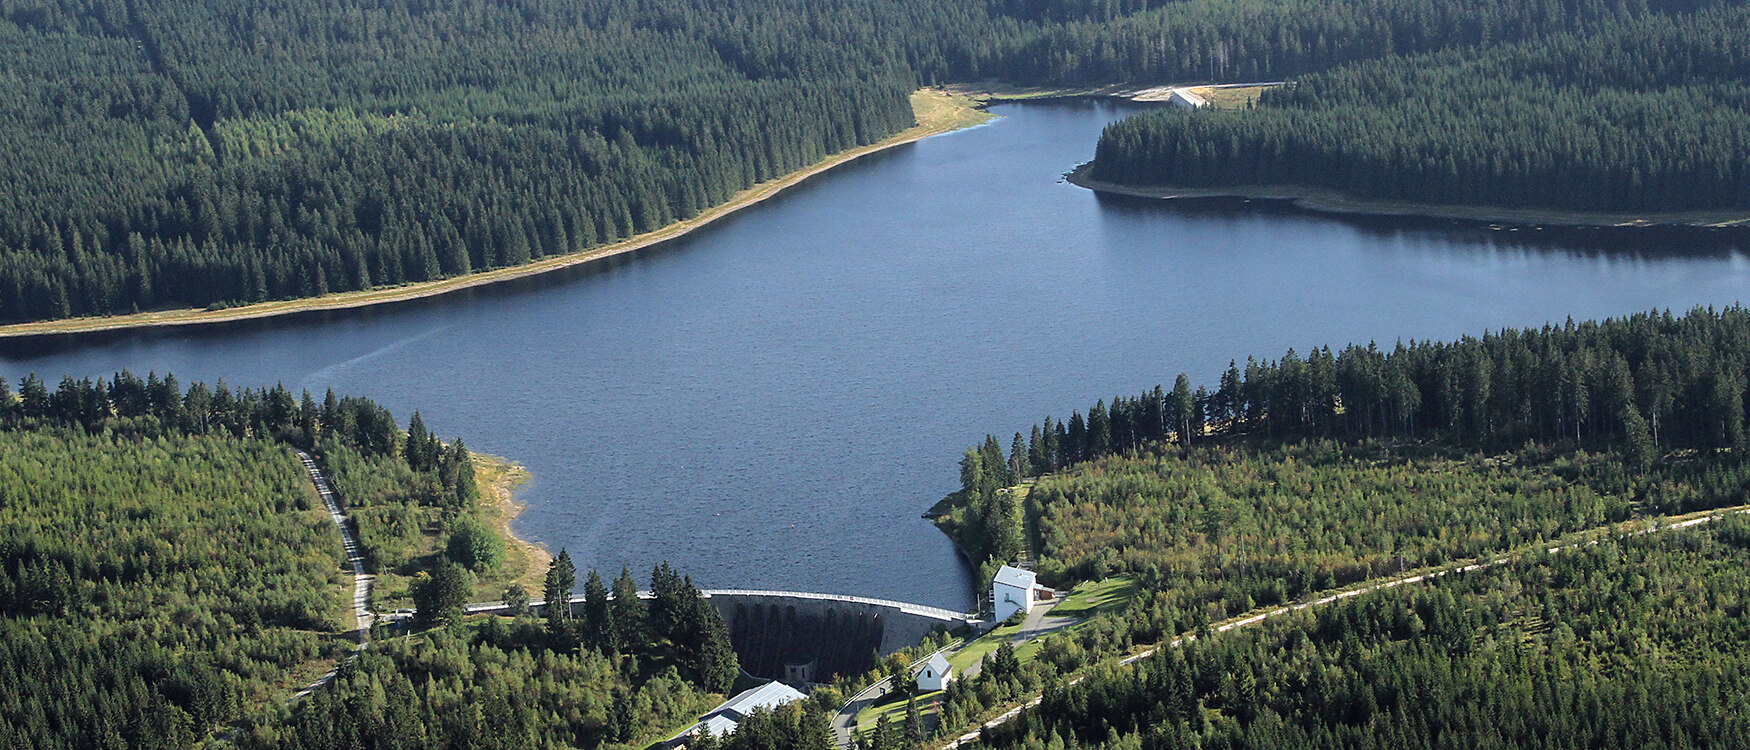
<point x="773" y="400"/>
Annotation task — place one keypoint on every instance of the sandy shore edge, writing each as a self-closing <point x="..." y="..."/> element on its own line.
<point x="499" y="480"/>
<point x="937" y="111"/>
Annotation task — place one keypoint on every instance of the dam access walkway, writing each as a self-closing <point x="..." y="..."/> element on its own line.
<point x="947" y="617"/>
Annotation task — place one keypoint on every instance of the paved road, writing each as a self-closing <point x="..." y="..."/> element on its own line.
<point x="1655" y="525"/>
<point x="361" y="586"/>
<point x="1038" y="624"/>
<point x="844" y="722"/>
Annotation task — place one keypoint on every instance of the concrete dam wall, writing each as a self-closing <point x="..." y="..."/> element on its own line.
<point x="802" y="637"/>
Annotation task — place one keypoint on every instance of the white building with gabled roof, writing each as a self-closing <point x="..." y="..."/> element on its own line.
<point x="936" y="674"/>
<point x="726" y="717"/>
<point x="1011" y="591"/>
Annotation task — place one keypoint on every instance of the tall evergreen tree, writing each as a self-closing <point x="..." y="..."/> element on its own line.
<point x="556" y="587"/>
<point x="629" y="613"/>
<point x="1183" y="407"/>
<point x="600" y="629"/>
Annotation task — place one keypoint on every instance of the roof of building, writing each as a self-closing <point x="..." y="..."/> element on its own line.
<point x="723" y="719"/>
<point x="770" y="695"/>
<point x="938" y="665"/>
<point x="1016" y="577"/>
<point x="718" y="725"/>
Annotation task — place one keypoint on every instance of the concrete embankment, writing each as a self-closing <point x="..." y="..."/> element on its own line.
<point x="774" y="632"/>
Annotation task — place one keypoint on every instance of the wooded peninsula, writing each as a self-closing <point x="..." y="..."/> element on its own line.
<point x="1456" y="465"/>
<point x="1633" y="118"/>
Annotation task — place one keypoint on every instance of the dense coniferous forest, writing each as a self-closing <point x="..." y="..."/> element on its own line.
<point x="620" y="672"/>
<point x="1631" y="643"/>
<point x="163" y="570"/>
<point x="1639" y="383"/>
<point x="1305" y="474"/>
<point x="1308" y="474"/>
<point x="1639" y="114"/>
<point x="187" y="154"/>
<point x="154" y="586"/>
<point x="166" y="569"/>
<point x="1247" y="40"/>
<point x="1661" y="398"/>
<point x="165" y="564"/>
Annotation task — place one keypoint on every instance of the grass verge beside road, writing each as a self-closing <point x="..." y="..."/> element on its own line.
<point x="1085" y="601"/>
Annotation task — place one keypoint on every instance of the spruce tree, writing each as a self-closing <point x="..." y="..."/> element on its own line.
<point x="914" y="723"/>
<point x="1036" y="450"/>
<point x="556" y="588"/>
<point x="1020" y="464"/>
<point x="600" y="629"/>
<point x="441" y="597"/>
<point x="414" y="450"/>
<point x="629" y="613"/>
<point x="1099" y="441"/>
<point x="718" y="665"/>
<point x="1183" y="404"/>
<point x="668" y="602"/>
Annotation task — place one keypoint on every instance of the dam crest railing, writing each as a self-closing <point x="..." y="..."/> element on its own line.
<point x="916" y="609"/>
<point x="920" y="610"/>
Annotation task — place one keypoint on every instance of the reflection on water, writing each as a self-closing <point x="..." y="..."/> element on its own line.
<point x="772" y="401"/>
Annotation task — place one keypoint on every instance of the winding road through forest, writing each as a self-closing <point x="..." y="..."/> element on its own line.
<point x="361" y="586"/>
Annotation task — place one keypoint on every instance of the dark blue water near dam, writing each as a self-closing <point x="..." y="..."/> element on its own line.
<point x="772" y="401"/>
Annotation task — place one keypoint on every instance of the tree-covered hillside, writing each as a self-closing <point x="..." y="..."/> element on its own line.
<point x="165" y="154"/>
<point x="165" y="565"/>
<point x="1293" y="479"/>
<point x="185" y="154"/>
<point x="1648" y="114"/>
<point x="1259" y="40"/>
<point x="155" y="584"/>
<point x="169" y="577"/>
<point x="1645" y="413"/>
<point x="1632" y="643"/>
<point x="620" y="673"/>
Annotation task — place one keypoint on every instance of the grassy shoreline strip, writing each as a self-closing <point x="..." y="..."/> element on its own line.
<point x="1330" y="201"/>
<point x="937" y="111"/>
<point x="499" y="478"/>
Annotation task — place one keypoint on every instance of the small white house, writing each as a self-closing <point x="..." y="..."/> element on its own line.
<point x="1011" y="591"/>
<point x="936" y="674"/>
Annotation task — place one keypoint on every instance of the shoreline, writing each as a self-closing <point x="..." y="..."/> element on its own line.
<point x="937" y="110"/>
<point x="1336" y="202"/>
<point x="999" y="92"/>
<point x="499" y="479"/>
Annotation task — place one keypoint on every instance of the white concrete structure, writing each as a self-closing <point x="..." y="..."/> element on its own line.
<point x="1184" y="99"/>
<point x="723" y="719"/>
<point x="1011" y="591"/>
<point x="936" y="674"/>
